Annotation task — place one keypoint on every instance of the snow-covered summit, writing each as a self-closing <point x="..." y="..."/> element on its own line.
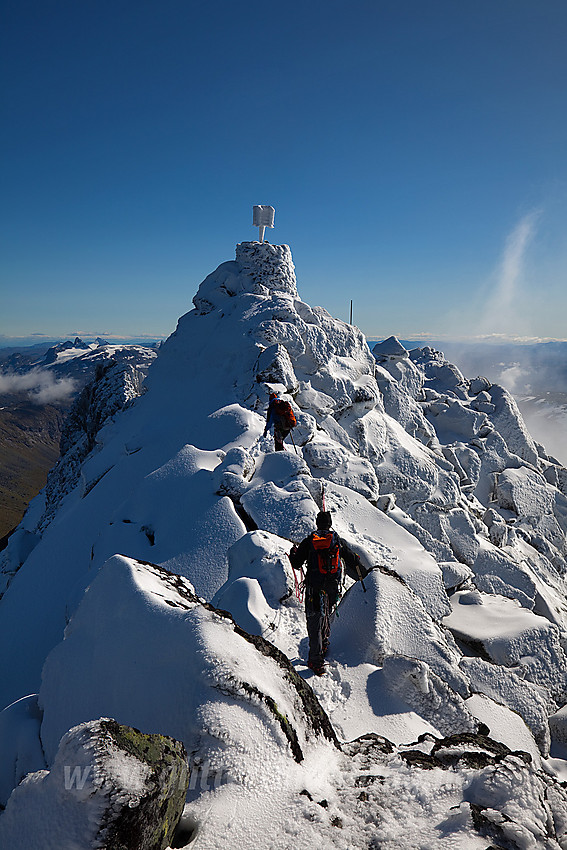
<point x="431" y="477"/>
<point x="390" y="347"/>
<point x="259" y="268"/>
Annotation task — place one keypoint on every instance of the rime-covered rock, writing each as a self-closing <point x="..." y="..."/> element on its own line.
<point x="384" y="623"/>
<point x="503" y="632"/>
<point x="110" y="786"/>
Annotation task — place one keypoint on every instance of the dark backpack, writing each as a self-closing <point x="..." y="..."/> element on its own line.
<point x="326" y="546"/>
<point x="284" y="411"/>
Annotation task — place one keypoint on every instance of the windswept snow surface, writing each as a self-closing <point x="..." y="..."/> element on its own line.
<point x="461" y="624"/>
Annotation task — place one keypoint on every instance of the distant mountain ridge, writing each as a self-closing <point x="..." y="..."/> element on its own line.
<point x="36" y="390"/>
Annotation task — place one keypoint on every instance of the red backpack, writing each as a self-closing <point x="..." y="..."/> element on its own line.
<point x="284" y="410"/>
<point x="326" y="546"/>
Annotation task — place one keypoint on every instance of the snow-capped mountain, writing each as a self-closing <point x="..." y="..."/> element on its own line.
<point x="35" y="390"/>
<point x="149" y="582"/>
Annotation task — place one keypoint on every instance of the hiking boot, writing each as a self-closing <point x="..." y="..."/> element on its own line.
<point x="318" y="669"/>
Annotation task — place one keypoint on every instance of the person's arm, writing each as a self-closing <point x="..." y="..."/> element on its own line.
<point x="298" y="554"/>
<point x="353" y="567"/>
<point x="346" y="553"/>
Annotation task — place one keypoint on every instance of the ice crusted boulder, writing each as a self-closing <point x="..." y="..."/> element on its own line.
<point x="390" y="620"/>
<point x="428" y="694"/>
<point x="270" y="265"/>
<point x="328" y="459"/>
<point x="503" y="632"/>
<point x="508" y="421"/>
<point x="110" y="786"/>
<point x="505" y="686"/>
<point x="263" y="557"/>
<point x="390" y="348"/>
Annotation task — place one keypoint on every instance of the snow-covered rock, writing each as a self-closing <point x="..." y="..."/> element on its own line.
<point x="106" y="666"/>
<point x="509" y="635"/>
<point x="505" y="686"/>
<point x="382" y="622"/>
<point x="109" y="786"/>
<point x="390" y="348"/>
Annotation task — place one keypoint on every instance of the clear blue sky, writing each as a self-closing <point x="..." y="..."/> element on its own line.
<point x="415" y="151"/>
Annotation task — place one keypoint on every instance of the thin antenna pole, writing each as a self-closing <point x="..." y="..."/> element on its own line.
<point x="350" y="323"/>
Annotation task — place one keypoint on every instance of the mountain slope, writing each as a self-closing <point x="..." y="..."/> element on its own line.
<point x="29" y="446"/>
<point x="36" y="389"/>
<point x="432" y="478"/>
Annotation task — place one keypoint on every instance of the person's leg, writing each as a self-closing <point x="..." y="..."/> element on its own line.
<point x="325" y="625"/>
<point x="280" y="434"/>
<point x="314" y="618"/>
<point x="329" y="600"/>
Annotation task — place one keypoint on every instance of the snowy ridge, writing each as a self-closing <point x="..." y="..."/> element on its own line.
<point x="432" y="478"/>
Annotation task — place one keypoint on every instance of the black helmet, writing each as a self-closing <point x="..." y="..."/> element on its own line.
<point x="323" y="520"/>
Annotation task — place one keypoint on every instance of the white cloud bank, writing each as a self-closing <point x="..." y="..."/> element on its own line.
<point x="41" y="386"/>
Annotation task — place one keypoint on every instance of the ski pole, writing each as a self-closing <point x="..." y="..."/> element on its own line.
<point x="293" y="441"/>
<point x="356" y="564"/>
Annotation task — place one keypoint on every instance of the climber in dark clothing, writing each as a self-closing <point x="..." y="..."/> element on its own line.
<point x="323" y="550"/>
<point x="281" y="416"/>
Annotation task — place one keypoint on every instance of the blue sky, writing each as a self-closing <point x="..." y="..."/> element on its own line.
<point x="415" y="153"/>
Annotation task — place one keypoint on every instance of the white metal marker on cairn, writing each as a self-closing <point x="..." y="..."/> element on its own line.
<point x="263" y="217"/>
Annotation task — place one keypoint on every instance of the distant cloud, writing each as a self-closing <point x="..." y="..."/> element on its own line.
<point x="514" y="378"/>
<point x="88" y="335"/>
<point x="484" y="338"/>
<point x="40" y="385"/>
<point x="7" y="341"/>
<point x="504" y="312"/>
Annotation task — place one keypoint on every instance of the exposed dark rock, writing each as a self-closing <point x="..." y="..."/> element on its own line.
<point x="473" y="750"/>
<point x="366" y="779"/>
<point x="151" y="824"/>
<point x="110" y="786"/>
<point x="416" y="758"/>
<point x="488" y="829"/>
<point x="368" y="745"/>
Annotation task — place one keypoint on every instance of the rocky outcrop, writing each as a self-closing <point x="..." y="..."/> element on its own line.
<point x="110" y="786"/>
<point x="503" y="798"/>
<point x="114" y="387"/>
